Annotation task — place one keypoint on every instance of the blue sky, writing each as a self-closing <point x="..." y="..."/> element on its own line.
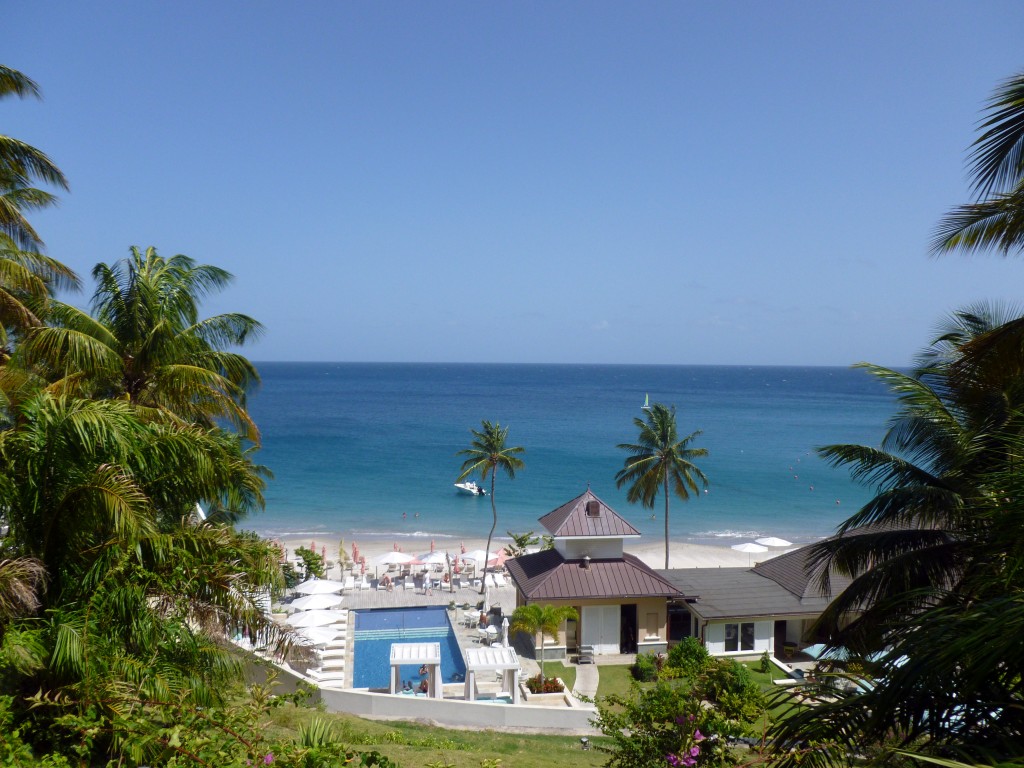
<point x="654" y="182"/>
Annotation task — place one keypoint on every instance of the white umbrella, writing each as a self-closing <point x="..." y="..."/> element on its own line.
<point x="395" y="558"/>
<point x="319" y="587"/>
<point x="479" y="556"/>
<point x="433" y="558"/>
<point x="504" y="631"/>
<point x="315" y="618"/>
<point x="749" y="547"/>
<point x="318" y="635"/>
<point x="772" y="541"/>
<point x="316" y="602"/>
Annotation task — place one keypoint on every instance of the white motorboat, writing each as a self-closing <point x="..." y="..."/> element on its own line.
<point x="471" y="488"/>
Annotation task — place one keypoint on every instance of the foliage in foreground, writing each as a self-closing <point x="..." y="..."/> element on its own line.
<point x="176" y="733"/>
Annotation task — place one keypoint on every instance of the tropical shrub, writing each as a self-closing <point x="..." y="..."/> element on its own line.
<point x="540" y="684"/>
<point x="689" y="655"/>
<point x="312" y="563"/>
<point x="645" y="668"/>
<point x="664" y="724"/>
<point x="728" y="685"/>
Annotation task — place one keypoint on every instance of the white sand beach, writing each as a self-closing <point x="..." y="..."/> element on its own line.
<point x="682" y="554"/>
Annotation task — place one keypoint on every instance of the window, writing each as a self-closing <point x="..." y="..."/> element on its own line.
<point x="747" y="637"/>
<point x="732" y="637"/>
<point x="739" y="637"/>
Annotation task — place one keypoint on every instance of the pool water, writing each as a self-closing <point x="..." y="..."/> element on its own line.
<point x="376" y="630"/>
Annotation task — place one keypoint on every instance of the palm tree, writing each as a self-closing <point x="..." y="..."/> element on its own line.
<point x="144" y="342"/>
<point x="936" y="561"/>
<point x="487" y="454"/>
<point x="27" y="280"/>
<point x="21" y="165"/>
<point x="996" y="219"/>
<point x="909" y="543"/>
<point x="659" y="459"/>
<point x="547" y="619"/>
<point x="139" y="599"/>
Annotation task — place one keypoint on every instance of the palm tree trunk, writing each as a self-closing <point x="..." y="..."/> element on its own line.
<point x="494" y="524"/>
<point x="665" y="489"/>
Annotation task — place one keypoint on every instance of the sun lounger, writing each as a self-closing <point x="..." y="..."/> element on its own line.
<point x="350" y="584"/>
<point x="410" y="583"/>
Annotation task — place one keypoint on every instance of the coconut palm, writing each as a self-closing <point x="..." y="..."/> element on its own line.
<point x="659" y="459"/>
<point x="546" y="620"/>
<point x="911" y="541"/>
<point x="487" y="454"/>
<point x="144" y="342"/>
<point x="21" y="166"/>
<point x="139" y="599"/>
<point x="936" y="560"/>
<point x="996" y="219"/>
<point x="27" y="280"/>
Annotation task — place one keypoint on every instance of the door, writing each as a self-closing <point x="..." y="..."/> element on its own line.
<point x="601" y="628"/>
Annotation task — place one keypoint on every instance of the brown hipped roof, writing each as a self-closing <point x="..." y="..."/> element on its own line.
<point x="546" y="575"/>
<point x="573" y="519"/>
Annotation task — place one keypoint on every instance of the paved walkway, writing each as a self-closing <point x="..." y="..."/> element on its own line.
<point x="587" y="678"/>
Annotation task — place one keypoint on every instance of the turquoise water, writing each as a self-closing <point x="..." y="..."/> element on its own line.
<point x="376" y="630"/>
<point x="368" y="450"/>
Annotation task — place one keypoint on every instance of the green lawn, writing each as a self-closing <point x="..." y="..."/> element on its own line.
<point x="414" y="744"/>
<point x="558" y="669"/>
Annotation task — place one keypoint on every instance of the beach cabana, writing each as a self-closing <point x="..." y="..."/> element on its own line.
<point x="495" y="659"/>
<point x="417" y="654"/>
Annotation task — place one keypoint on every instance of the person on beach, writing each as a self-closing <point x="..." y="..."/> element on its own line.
<point x="386" y="581"/>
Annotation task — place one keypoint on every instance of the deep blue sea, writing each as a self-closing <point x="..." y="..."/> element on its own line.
<point x="354" y="446"/>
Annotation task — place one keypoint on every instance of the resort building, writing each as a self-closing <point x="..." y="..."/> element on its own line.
<point x="744" y="611"/>
<point x="622" y="603"/>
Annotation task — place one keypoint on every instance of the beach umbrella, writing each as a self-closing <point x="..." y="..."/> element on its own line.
<point x="772" y="541"/>
<point x="317" y="635"/>
<point x="315" y="618"/>
<point x="504" y="631"/>
<point x="432" y="558"/>
<point x="480" y="557"/>
<point x="749" y="547"/>
<point x="319" y="587"/>
<point x="395" y="558"/>
<point x="316" y="602"/>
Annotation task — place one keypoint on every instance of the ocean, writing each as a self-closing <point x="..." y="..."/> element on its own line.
<point x="368" y="450"/>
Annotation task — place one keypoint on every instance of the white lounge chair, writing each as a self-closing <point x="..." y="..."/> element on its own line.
<point x="350" y="584"/>
<point x="499" y="579"/>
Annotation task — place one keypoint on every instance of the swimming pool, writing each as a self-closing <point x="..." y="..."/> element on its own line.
<point x="376" y="630"/>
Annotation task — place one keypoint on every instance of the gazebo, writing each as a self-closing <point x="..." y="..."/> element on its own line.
<point x="495" y="658"/>
<point x="423" y="654"/>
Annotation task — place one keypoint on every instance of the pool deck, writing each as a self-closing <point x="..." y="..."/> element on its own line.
<point x="567" y="716"/>
<point x="468" y="637"/>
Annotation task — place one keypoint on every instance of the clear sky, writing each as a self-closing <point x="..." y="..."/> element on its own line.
<point x="652" y="182"/>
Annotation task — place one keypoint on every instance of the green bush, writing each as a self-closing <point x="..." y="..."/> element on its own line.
<point x="729" y="686"/>
<point x="646" y="667"/>
<point x="689" y="655"/>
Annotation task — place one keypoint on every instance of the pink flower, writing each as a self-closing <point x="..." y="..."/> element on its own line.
<point x="688" y="761"/>
<point x="694" y="751"/>
<point x="673" y="760"/>
<point x="269" y="758"/>
<point x="697" y="735"/>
